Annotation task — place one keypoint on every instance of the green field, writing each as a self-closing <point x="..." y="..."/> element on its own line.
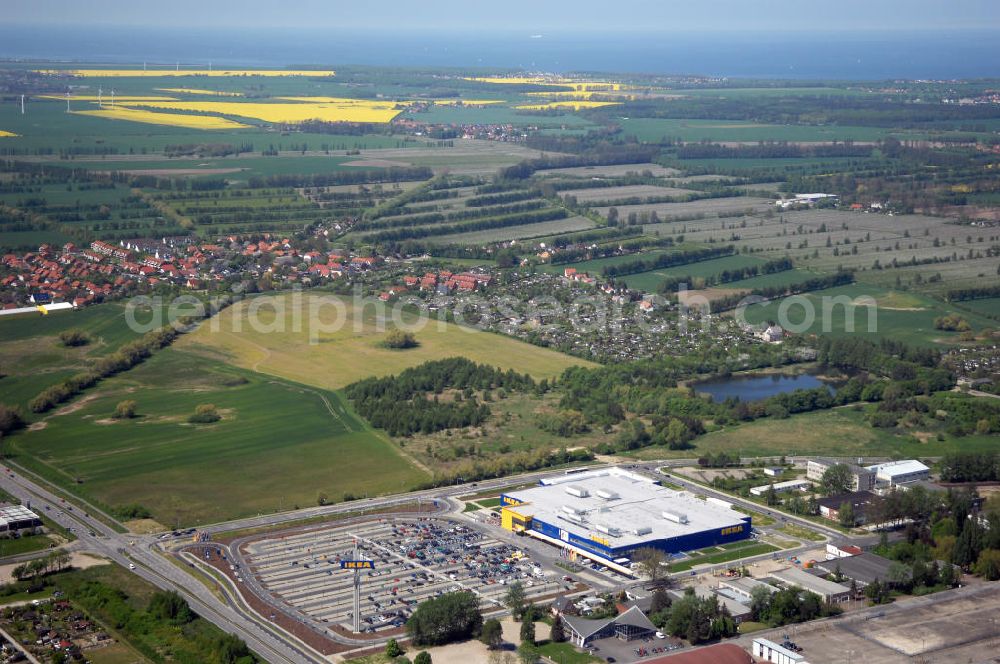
<point x="350" y="350"/>
<point x="912" y="323"/>
<point x="987" y="306"/>
<point x="278" y="445"/>
<point x="656" y="129"/>
<point x="841" y="432"/>
<point x="32" y="358"/>
<point x="651" y="281"/>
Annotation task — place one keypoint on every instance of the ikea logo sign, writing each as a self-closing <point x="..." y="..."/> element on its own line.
<point x="509" y="502"/>
<point x="357" y="564"/>
<point x="732" y="530"/>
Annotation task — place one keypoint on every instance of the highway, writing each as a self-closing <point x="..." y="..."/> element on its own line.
<point x="95" y="536"/>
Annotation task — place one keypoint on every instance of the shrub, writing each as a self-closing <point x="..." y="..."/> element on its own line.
<point x="399" y="340"/>
<point x="73" y="338"/>
<point x="10" y="419"/>
<point x="205" y="413"/>
<point x="125" y="410"/>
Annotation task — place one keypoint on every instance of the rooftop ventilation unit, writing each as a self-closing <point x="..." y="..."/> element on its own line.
<point x="578" y="491"/>
<point x="609" y="530"/>
<point x="641" y="530"/>
<point x="569" y="509"/>
<point x="676" y="517"/>
<point x="606" y="495"/>
<point x="575" y="518"/>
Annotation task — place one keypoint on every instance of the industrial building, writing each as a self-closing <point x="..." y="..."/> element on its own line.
<point x="894" y="473"/>
<point x="607" y="514"/>
<point x="827" y="590"/>
<point x="863" y="569"/>
<point x="769" y="651"/>
<point x="16" y="519"/>
<point x="862" y="479"/>
<point x="741" y="588"/>
<point x="864" y="504"/>
<point x="782" y="487"/>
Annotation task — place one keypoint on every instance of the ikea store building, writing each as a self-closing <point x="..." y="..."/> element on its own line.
<point x="607" y="514"/>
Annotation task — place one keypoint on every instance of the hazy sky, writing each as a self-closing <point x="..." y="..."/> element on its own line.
<point x="527" y="15"/>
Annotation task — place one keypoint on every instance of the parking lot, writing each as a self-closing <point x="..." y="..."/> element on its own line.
<point x="414" y="559"/>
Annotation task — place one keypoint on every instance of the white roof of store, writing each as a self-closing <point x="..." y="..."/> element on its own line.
<point x="893" y="468"/>
<point x="631" y="502"/>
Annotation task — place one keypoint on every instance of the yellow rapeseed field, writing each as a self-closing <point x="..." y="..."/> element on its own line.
<point x="152" y="73"/>
<point x="195" y="91"/>
<point x="169" y="119"/>
<point x="575" y="105"/>
<point x="348" y="110"/>
<point x="7" y="134"/>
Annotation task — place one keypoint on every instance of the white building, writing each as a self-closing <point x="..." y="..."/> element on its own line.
<point x="894" y="473"/>
<point x="782" y="487"/>
<point x="770" y="651"/>
<point x="862" y="479"/>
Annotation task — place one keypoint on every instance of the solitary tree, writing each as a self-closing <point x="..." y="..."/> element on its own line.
<point x="528" y="631"/>
<point x="125" y="410"/>
<point x="650" y="562"/>
<point x="558" y="634"/>
<point x="846" y="515"/>
<point x="514" y="600"/>
<point x="423" y="657"/>
<point x="492" y="634"/>
<point x="392" y="649"/>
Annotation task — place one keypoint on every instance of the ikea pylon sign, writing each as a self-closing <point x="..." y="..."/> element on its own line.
<point x="357" y="564"/>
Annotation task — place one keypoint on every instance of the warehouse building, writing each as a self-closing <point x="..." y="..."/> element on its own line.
<point x="863" y="569"/>
<point x="18" y="520"/>
<point x="741" y="588"/>
<point x="782" y="487"/>
<point x="894" y="473"/>
<point x="607" y="514"/>
<point x="862" y="479"/>
<point x="827" y="590"/>
<point x="769" y="651"/>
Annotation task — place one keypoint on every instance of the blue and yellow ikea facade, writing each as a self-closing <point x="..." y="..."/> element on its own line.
<point x="517" y="515"/>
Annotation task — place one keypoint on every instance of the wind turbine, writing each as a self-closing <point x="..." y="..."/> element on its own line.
<point x="112" y="97"/>
<point x="67" y="101"/>
<point x="22" y="104"/>
<point x="100" y="95"/>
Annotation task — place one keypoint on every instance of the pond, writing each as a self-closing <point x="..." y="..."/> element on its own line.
<point x="754" y="387"/>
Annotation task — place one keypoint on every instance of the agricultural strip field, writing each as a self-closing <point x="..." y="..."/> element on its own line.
<point x="352" y="351"/>
<point x="271" y="431"/>
<point x="709" y="207"/>
<point x="542" y="229"/>
<point x="612" y="171"/>
<point x="114" y="210"/>
<point x="639" y="191"/>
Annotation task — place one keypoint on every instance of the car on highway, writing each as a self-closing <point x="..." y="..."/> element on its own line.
<point x="131" y="566"/>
